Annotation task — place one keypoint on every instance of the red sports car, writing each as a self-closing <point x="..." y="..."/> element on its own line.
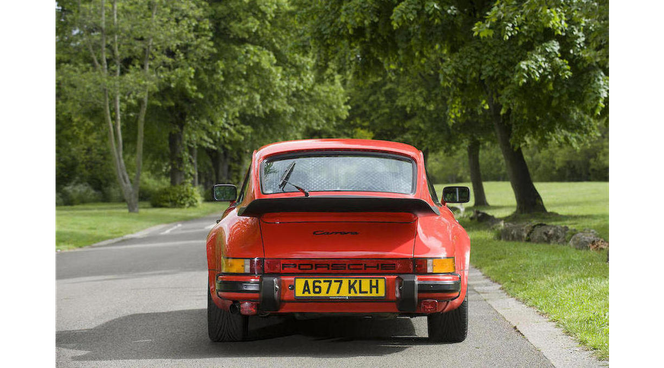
<point x="338" y="226"/>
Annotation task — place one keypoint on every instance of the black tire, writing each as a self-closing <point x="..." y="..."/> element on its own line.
<point x="224" y="326"/>
<point x="451" y="326"/>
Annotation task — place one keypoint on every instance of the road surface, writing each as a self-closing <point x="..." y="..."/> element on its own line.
<point x="141" y="302"/>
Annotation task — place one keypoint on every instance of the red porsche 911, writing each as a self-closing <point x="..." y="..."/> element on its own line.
<point x="338" y="227"/>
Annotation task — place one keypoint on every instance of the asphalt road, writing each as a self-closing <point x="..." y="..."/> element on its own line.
<point x="141" y="302"/>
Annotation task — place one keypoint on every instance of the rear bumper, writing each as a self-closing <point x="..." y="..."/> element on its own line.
<point x="404" y="294"/>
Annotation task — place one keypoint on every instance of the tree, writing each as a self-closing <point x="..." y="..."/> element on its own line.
<point x="123" y="57"/>
<point x="557" y="58"/>
<point x="537" y="69"/>
<point x="259" y="84"/>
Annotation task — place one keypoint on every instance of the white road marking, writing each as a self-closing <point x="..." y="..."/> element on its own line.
<point x="171" y="229"/>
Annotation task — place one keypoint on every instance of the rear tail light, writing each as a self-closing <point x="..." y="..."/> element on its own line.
<point x="434" y="265"/>
<point x="242" y="265"/>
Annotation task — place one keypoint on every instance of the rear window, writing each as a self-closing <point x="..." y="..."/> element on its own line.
<point x="342" y="172"/>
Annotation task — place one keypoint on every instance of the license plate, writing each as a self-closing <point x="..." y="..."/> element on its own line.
<point x="339" y="288"/>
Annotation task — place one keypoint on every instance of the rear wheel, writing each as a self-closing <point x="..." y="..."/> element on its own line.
<point x="451" y="326"/>
<point x="224" y="325"/>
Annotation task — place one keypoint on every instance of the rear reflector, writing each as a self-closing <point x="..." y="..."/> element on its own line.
<point x="248" y="308"/>
<point x="428" y="306"/>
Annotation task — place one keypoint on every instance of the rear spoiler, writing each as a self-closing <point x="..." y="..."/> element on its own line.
<point x="337" y="204"/>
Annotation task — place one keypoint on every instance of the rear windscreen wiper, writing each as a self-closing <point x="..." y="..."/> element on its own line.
<point x="284" y="180"/>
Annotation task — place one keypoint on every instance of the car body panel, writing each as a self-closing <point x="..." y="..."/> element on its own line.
<point x="326" y="235"/>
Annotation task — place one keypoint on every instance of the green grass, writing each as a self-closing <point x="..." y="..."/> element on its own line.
<point x="569" y="286"/>
<point x="78" y="226"/>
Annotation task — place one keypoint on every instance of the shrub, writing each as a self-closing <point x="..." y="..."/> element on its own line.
<point x="179" y="196"/>
<point x="151" y="184"/>
<point x="112" y="193"/>
<point x="74" y="194"/>
<point x="206" y="193"/>
<point x="57" y="199"/>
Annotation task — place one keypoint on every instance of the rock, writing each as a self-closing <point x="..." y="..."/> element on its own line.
<point x="484" y="217"/>
<point x="481" y="216"/>
<point x="587" y="239"/>
<point x="543" y="233"/>
<point x="534" y="232"/>
<point x="550" y="234"/>
<point x="517" y="232"/>
<point x="599" y="245"/>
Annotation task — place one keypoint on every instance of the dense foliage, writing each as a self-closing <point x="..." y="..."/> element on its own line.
<point x="550" y="163"/>
<point x="155" y="94"/>
<point x="176" y="196"/>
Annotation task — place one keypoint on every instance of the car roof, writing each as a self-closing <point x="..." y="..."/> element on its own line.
<point x="337" y="144"/>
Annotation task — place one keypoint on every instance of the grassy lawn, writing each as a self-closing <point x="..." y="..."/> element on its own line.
<point x="78" y="226"/>
<point x="570" y="286"/>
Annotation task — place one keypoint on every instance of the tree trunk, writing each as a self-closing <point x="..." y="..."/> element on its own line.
<point x="193" y="152"/>
<point x="220" y="162"/>
<point x="223" y="166"/>
<point x="528" y="199"/>
<point x="132" y="204"/>
<point x="212" y="154"/>
<point x="475" y="173"/>
<point x="175" y="139"/>
<point x="129" y="190"/>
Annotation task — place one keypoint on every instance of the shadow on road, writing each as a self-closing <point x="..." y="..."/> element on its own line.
<point x="183" y="335"/>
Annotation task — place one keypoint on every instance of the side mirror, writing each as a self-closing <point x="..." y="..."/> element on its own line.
<point x="224" y="192"/>
<point x="456" y="194"/>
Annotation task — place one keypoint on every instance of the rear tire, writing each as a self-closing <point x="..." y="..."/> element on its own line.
<point x="451" y="326"/>
<point x="224" y="326"/>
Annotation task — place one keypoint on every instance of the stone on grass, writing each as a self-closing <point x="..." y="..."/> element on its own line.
<point x="516" y="232"/>
<point x="550" y="234"/>
<point x="588" y="239"/>
<point x="483" y="217"/>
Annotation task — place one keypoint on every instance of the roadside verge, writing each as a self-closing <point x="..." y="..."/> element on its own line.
<point x="559" y="348"/>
